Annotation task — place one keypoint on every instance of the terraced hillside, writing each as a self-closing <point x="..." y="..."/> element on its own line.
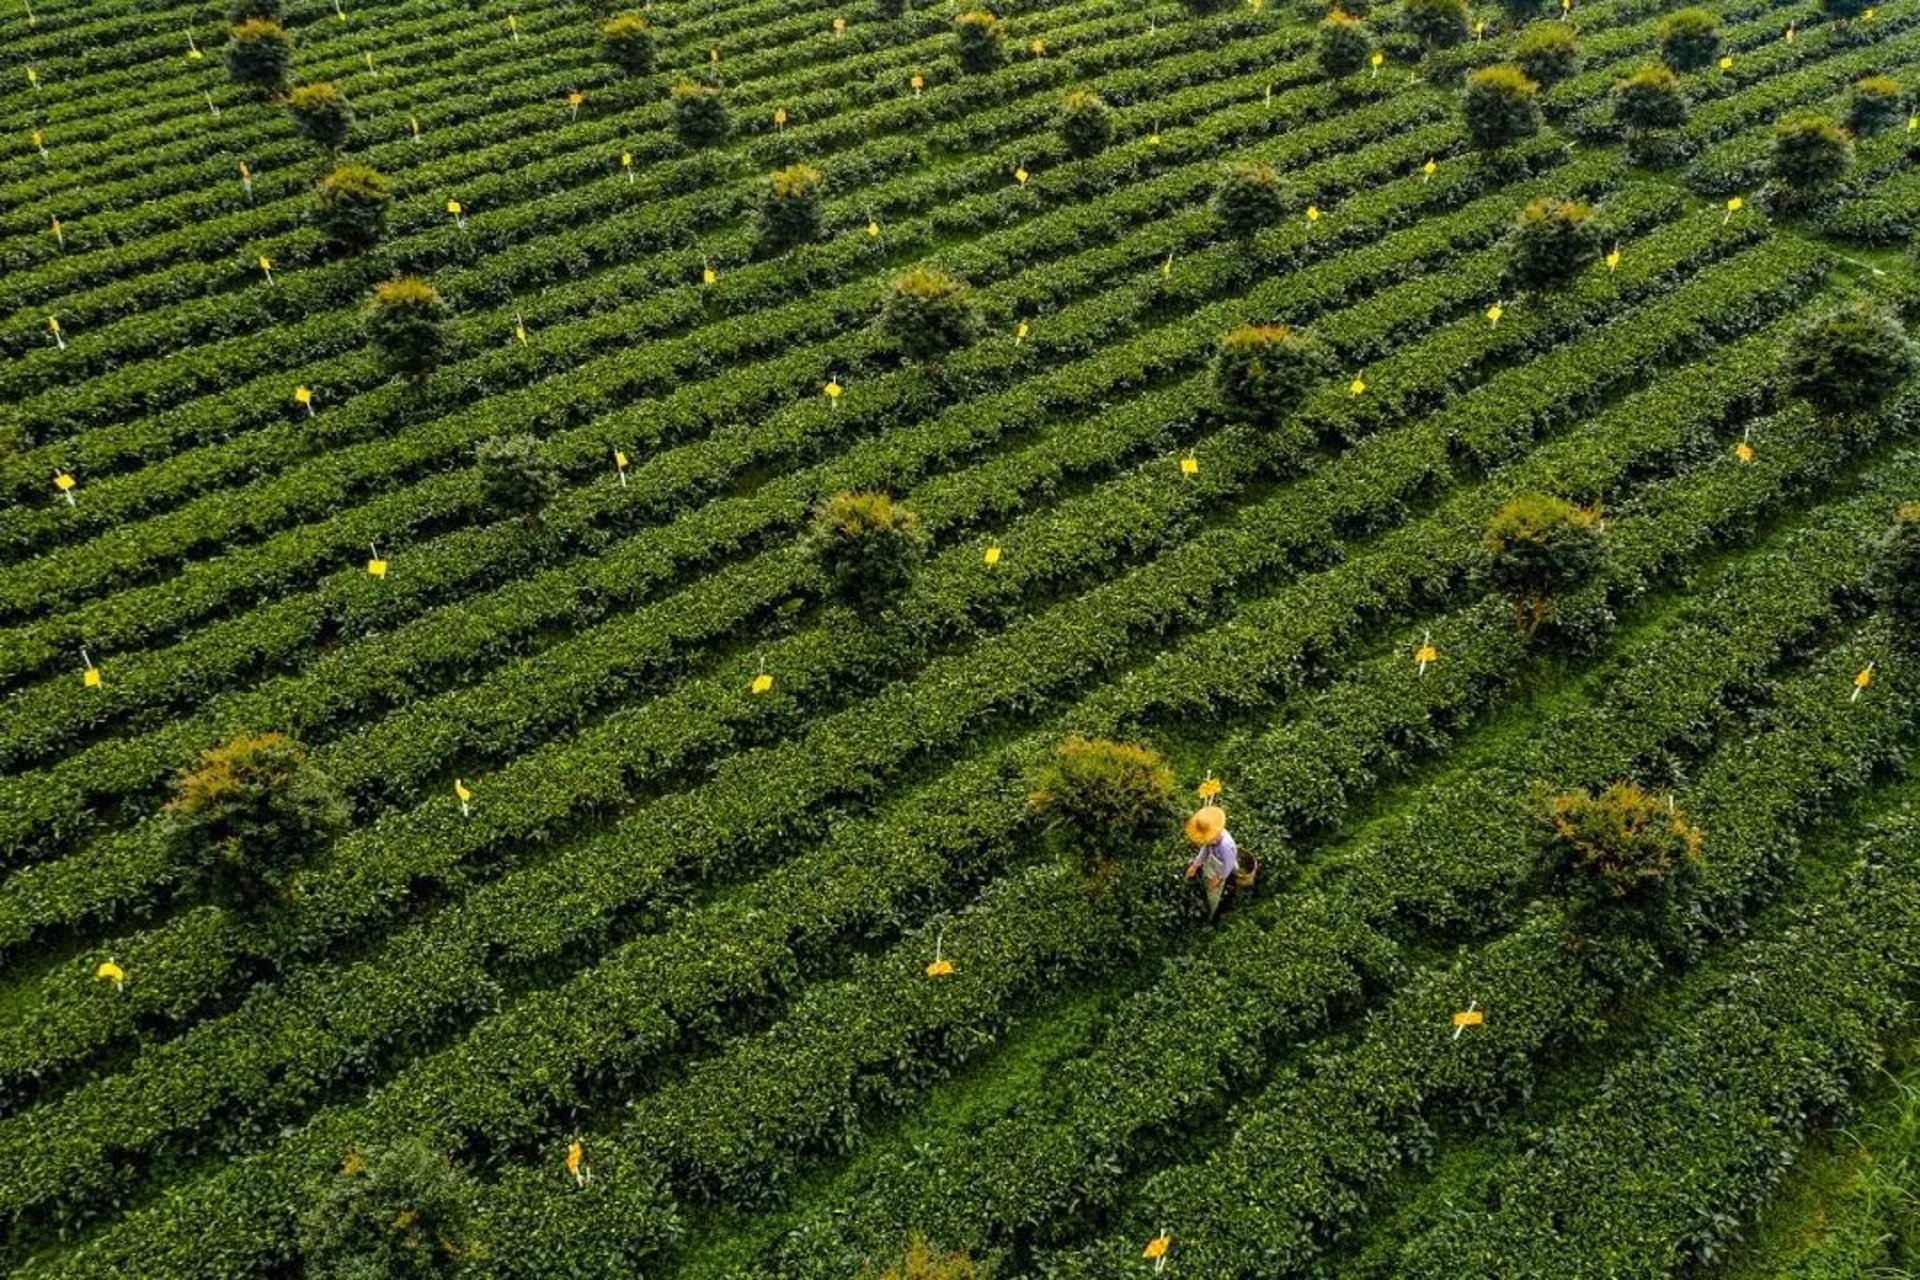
<point x="654" y="831"/>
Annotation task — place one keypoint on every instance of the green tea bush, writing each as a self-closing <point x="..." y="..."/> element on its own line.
<point x="1263" y="372"/>
<point x="1897" y="574"/>
<point x="259" y="51"/>
<point x="1689" y="39"/>
<point x="1626" y="860"/>
<point x="790" y="207"/>
<point x="406" y="322"/>
<point x="399" y="1211"/>
<point x="322" y="113"/>
<point x="699" y="116"/>
<point x="1848" y="361"/>
<point x="1086" y="123"/>
<point x="1344" y="45"/>
<point x="1810" y="153"/>
<point x="1249" y="197"/>
<point x="516" y="475"/>
<point x="926" y="314"/>
<point x="867" y="545"/>
<point x="1547" y="53"/>
<point x="1500" y="107"/>
<point x="1553" y="241"/>
<point x="1438" y="24"/>
<point x="981" y="47"/>
<point x="350" y="205"/>
<point x="1104" y="802"/>
<point x="1646" y="104"/>
<point x="628" y="43"/>
<point x="1873" y="105"/>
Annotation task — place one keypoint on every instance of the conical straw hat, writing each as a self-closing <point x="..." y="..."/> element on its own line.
<point x="1205" y="826"/>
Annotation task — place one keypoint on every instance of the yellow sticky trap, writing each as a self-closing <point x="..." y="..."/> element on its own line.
<point x="873" y="229"/>
<point x="1613" y="257"/>
<point x="1189" y="466"/>
<point x="1736" y="204"/>
<point x="574" y="1156"/>
<point x="1377" y="60"/>
<point x="1726" y="63"/>
<point x="1020" y="332"/>
<point x="620" y="459"/>
<point x="1208" y="789"/>
<point x="1494" y="313"/>
<point x="1862" y="680"/>
<point x="90" y="678"/>
<point x="1153" y="139"/>
<point x="1480" y="29"/>
<point x="917" y="83"/>
<point x="303" y="396"/>
<point x="1469" y="1018"/>
<point x="33" y="77"/>
<point x="377" y="567"/>
<point x="713" y="54"/>
<point x="413" y="122"/>
<point x="839" y="25"/>
<point x="1430" y="168"/>
<point x="1166" y="268"/>
<point x="1913" y="123"/>
<point x="761" y="683"/>
<point x="779" y="117"/>
<point x="1743" y="451"/>
<point x="193" y="50"/>
<point x="460" y="791"/>
<point x="707" y="276"/>
<point x="1867" y="16"/>
<point x="63" y="482"/>
<point x="1789" y="33"/>
<point x="992" y="556"/>
<point x="1357" y="387"/>
<point x="455" y="208"/>
<point x="110" y="972"/>
<point x="833" y="390"/>
<point x="1313" y="213"/>
<point x="1020" y="176"/>
<point x="1038" y="46"/>
<point x="940" y="969"/>
<point x="59" y="234"/>
<point x="513" y="25"/>
<point x="1425" y="654"/>
<point x="1157" y="1247"/>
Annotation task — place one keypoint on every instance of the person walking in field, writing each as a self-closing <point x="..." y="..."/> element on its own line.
<point x="1218" y="856"/>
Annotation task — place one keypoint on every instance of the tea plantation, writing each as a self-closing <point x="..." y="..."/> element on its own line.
<point x="609" y="621"/>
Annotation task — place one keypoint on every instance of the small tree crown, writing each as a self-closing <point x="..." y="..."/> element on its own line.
<point x="1622" y="845"/>
<point x="868" y="545"/>
<point x="1440" y="24"/>
<point x="629" y="43"/>
<point x="516" y="475"/>
<point x="1086" y="123"/>
<point x="928" y="313"/>
<point x="981" y="46"/>
<point x="1553" y="241"/>
<point x="350" y="204"/>
<point x="1263" y="372"/>
<point x="1344" y="45"/>
<point x="1547" y="52"/>
<point x="1873" y="104"/>
<point x="1500" y="107"/>
<point x="1848" y="361"/>
<point x="1104" y="800"/>
<point x="1810" y="151"/>
<point x="1650" y="98"/>
<point x="1250" y="196"/>
<point x="1689" y="39"/>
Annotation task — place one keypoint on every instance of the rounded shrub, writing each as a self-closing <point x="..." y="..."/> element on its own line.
<point x="250" y="813"/>
<point x="1547" y="52"/>
<point x="1873" y="104"/>
<point x="790" y="207"/>
<point x="1104" y="801"/>
<point x="406" y="322"/>
<point x="889" y="8"/>
<point x="322" y="113"/>
<point x="1086" y="123"/>
<point x="259" y="51"/>
<point x="926" y="314"/>
<point x="516" y="475"/>
<point x="628" y="43"/>
<point x="350" y="205"/>
<point x="1438" y="24"/>
<point x="867" y="545"/>
<point x="1249" y="197"/>
<point x="1848" y="361"/>
<point x="613" y="1224"/>
<point x="981" y="46"/>
<point x="1897" y="570"/>
<point x="241" y="10"/>
<point x="1810" y="152"/>
<point x="1539" y="546"/>
<point x="1645" y="103"/>
<point x="1344" y="45"/>
<point x="400" y="1210"/>
<point x="1205" y="6"/>
<point x="924" y="1262"/>
<point x="1626" y="861"/>
<point x="1500" y="107"/>
<point x="1689" y="39"/>
<point x="1553" y="241"/>
<point x="699" y="116"/>
<point x="1263" y="372"/>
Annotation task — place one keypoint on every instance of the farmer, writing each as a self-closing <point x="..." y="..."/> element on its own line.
<point x="1219" y="856"/>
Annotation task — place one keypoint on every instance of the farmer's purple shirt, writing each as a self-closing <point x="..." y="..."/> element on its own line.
<point x="1225" y="849"/>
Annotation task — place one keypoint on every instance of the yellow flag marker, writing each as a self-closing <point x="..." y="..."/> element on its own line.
<point x="375" y="565"/>
<point x="1566" y="6"/>
<point x="459" y="213"/>
<point x="1208" y="789"/>
<point x="833" y="390"/>
<point x="1494" y="313"/>
<point x="246" y="179"/>
<point x="1358" y="386"/>
<point x="33" y="77"/>
<point x="1861" y="681"/>
<point x="1613" y="257"/>
<point x="193" y="50"/>
<point x="1156" y="1250"/>
<point x="59" y="235"/>
<point x="941" y="966"/>
<point x="761" y="683"/>
<point x="464" y="796"/>
<point x="1038" y="48"/>
<point x="620" y="466"/>
<point x="707" y="276"/>
<point x="1269" y="95"/>
<point x="40" y="145"/>
<point x="917" y="84"/>
<point x="576" y="1164"/>
<point x="1375" y="62"/>
<point x="111" y="972"/>
<point x="873" y="229"/>
<point x="64" y="483"/>
<point x="303" y="396"/>
<point x="1867" y="15"/>
<point x="839" y="25"/>
<point x="1428" y="169"/>
<point x="513" y="25"/>
<point x="1020" y="175"/>
<point x="1189" y="466"/>
<point x="574" y="99"/>
<point x="369" y="59"/>
<point x="1166" y="268"/>
<point x="779" y="117"/>
<point x="1744" y="450"/>
<point x="1153" y="139"/>
<point x="1913" y="123"/>
<point x="992" y="556"/>
<point x="1313" y="213"/>
<point x="1468" y="1017"/>
<point x="626" y="162"/>
<point x="338" y="12"/>
<point x="1726" y="63"/>
<point x="1789" y="33"/>
<point x="519" y="328"/>
<point x="266" y="267"/>
<point x="1734" y="206"/>
<point x="1426" y="654"/>
<point x="1020" y="332"/>
<point x="413" y="122"/>
<point x="89" y="674"/>
<point x="1480" y="29"/>
<point x="53" y="327"/>
<point x="713" y="54"/>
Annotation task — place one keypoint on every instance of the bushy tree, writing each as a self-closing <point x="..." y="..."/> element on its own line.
<point x="1810" y="152"/>
<point x="399" y="1211"/>
<point x="545" y="1226"/>
<point x="1104" y="801"/>
<point x="1344" y="45"/>
<point x="981" y="47"/>
<point x="926" y="314"/>
<point x="250" y="813"/>
<point x="406" y="322"/>
<point x="1500" y="107"/>
<point x="1689" y="39"/>
<point x="790" y="207"/>
<point x="1647" y="104"/>
<point x="322" y="113"/>
<point x="924" y="1262"/>
<point x="867" y="545"/>
<point x="1439" y="24"/>
<point x="1553" y="241"/>
<point x="259" y="51"/>
<point x="628" y="43"/>
<point x="1249" y="197"/>
<point x="1626" y="860"/>
<point x="1539" y="546"/>
<point x="699" y="116"/>
<point x="1897" y="572"/>
<point x="1848" y="361"/>
<point x="1873" y="104"/>
<point x="350" y="205"/>
<point x="516" y="475"/>
<point x="1263" y="372"/>
<point x="1547" y="53"/>
<point x="1086" y="124"/>
<point x="239" y="11"/>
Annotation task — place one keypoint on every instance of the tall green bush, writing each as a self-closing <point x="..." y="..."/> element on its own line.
<point x="1104" y="802"/>
<point x="629" y="43"/>
<point x="1344" y="45"/>
<point x="1547" y="53"/>
<point x="1263" y="372"/>
<point x="1086" y="123"/>
<point x="1249" y="197"/>
<point x="699" y="116"/>
<point x="322" y="113"/>
<point x="259" y="51"/>
<point x="406" y="322"/>
<point x="1689" y="39"/>
<point x="978" y="40"/>
<point x="517" y="477"/>
<point x="1553" y="241"/>
<point x="350" y="205"/>
<point x="1848" y="361"/>
<point x="867" y="545"/>
<point x="1873" y="105"/>
<point x="397" y="1211"/>
<point x="790" y="207"/>
<point x="1539" y="546"/>
<point x="1500" y="107"/>
<point x="927" y="313"/>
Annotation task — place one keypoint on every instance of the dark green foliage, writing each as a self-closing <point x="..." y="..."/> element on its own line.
<point x="1439" y="24"/>
<point x="516" y="475"/>
<point x="350" y="205"/>
<point x="259" y="51"/>
<point x="927" y="314"/>
<point x="1086" y="124"/>
<point x="1689" y="39"/>
<point x="1249" y="197"/>
<point x="1538" y="546"/>
<point x="1843" y="10"/>
<point x="615" y="1223"/>
<point x="1809" y="152"/>
<point x="241" y="10"/>
<point x="1519" y="13"/>
<point x="628" y="43"/>
<point x="699" y="116"/>
<point x="1206" y="6"/>
<point x="867" y="545"/>
<point x="924" y="1262"/>
<point x="1547" y="53"/>
<point x="790" y="209"/>
<point x="406" y="321"/>
<point x="1848" y="361"/>
<point x="1626" y="860"/>
<point x="1650" y="98"/>
<point x="1344" y="45"/>
<point x="1262" y="372"/>
<point x="1500" y="107"/>
<point x="248" y="815"/>
<point x="322" y="113"/>
<point x="1897" y="576"/>
<point x="1873" y="104"/>
<point x="1553" y="241"/>
<point x="981" y="47"/>
<point x="401" y="1211"/>
<point x="1103" y="800"/>
<point x="890" y="8"/>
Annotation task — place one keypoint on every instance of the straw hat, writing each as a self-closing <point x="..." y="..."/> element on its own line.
<point x="1205" y="826"/>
